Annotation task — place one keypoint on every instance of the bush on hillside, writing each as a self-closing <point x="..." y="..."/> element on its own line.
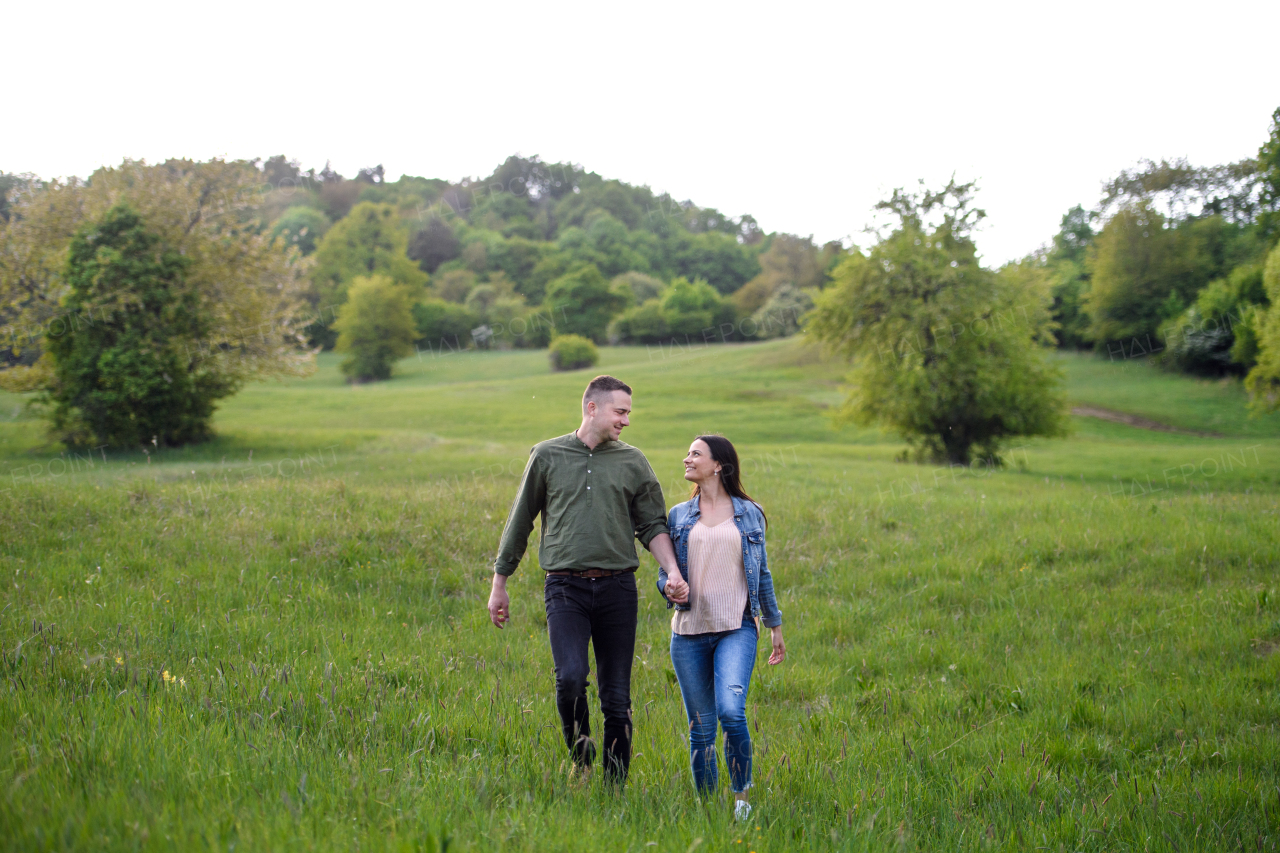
<point x="572" y="352"/>
<point x="375" y="327"/>
<point x="443" y="325"/>
<point x="780" y="317"/>
<point x="686" y="310"/>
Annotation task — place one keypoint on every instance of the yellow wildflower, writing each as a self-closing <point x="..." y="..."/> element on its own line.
<point x="119" y="660"/>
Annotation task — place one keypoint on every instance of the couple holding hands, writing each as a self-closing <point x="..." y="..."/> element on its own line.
<point x="596" y="495"/>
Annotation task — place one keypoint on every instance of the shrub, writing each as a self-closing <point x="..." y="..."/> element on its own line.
<point x="375" y="327"/>
<point x="781" y="315"/>
<point x="1216" y="335"/>
<point x="687" y="309"/>
<point x="572" y="352"/>
<point x="643" y="324"/>
<point x="443" y="325"/>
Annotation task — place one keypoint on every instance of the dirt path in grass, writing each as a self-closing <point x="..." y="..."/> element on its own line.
<point x="1136" y="421"/>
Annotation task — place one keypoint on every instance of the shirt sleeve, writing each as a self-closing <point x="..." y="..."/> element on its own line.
<point x="530" y="500"/>
<point x="648" y="509"/>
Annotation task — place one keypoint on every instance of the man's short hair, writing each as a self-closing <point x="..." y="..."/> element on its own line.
<point x="600" y="387"/>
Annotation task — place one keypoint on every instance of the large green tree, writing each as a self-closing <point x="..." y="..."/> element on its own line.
<point x="369" y="240"/>
<point x="581" y="303"/>
<point x="1066" y="261"/>
<point x="130" y="372"/>
<point x="1143" y="271"/>
<point x="944" y="351"/>
<point x="249" y="287"/>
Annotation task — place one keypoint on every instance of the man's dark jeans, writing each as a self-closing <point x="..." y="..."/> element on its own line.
<point x="603" y="611"/>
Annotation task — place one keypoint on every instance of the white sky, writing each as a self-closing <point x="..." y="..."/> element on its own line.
<point x="803" y="115"/>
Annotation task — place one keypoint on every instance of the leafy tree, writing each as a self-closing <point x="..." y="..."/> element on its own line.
<point x="642" y="287"/>
<point x="1179" y="191"/>
<point x="786" y="261"/>
<point x="434" y="244"/>
<point x="714" y="257"/>
<point x="1263" y="381"/>
<point x="302" y="227"/>
<point x="583" y="303"/>
<point x="279" y="171"/>
<point x="131" y="374"/>
<point x="944" y="351"/>
<point x="642" y="324"/>
<point x="1216" y="335"/>
<point x="783" y="314"/>
<point x="685" y="309"/>
<point x="375" y="327"/>
<point x="1066" y="260"/>
<point x="443" y="325"/>
<point x="1143" y="272"/>
<point x="249" y="288"/>
<point x="694" y="308"/>
<point x="369" y="241"/>
<point x="1269" y="175"/>
<point x="453" y="285"/>
<point x="572" y="352"/>
<point x="9" y="184"/>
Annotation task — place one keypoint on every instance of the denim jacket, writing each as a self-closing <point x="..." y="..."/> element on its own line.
<point x="750" y="523"/>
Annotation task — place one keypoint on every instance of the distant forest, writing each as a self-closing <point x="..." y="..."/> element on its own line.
<point x="1170" y="262"/>
<point x="540" y="248"/>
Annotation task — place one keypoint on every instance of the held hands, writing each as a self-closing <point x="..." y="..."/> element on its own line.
<point x="499" y="601"/>
<point x="677" y="590"/>
<point x="779" y="647"/>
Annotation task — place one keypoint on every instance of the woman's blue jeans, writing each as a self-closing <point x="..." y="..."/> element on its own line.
<point x="714" y="672"/>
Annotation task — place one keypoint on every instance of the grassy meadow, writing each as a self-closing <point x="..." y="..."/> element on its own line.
<point x="277" y="640"/>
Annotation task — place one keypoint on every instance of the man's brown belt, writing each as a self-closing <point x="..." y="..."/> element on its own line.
<point x="592" y="573"/>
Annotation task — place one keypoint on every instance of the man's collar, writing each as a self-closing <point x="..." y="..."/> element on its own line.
<point x="604" y="445"/>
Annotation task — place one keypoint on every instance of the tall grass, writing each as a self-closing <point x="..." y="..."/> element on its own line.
<point x="207" y="650"/>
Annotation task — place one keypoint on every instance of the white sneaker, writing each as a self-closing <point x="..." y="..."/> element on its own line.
<point x="741" y="811"/>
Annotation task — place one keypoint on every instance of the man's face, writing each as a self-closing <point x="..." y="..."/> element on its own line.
<point x="609" y="414"/>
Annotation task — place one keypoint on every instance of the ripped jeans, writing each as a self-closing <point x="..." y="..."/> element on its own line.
<point x="714" y="671"/>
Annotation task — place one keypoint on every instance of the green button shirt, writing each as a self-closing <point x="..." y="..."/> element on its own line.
<point x="595" y="502"/>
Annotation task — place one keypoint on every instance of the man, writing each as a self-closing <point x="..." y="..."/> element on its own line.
<point x="596" y="495"/>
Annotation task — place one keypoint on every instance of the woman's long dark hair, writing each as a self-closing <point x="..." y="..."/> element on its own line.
<point x="722" y="451"/>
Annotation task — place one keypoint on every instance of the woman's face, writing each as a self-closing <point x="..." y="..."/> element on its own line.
<point x="698" y="464"/>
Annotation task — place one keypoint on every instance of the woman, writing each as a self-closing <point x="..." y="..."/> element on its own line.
<point x="722" y="584"/>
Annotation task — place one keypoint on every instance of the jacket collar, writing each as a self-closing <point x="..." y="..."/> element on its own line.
<point x="695" y="507"/>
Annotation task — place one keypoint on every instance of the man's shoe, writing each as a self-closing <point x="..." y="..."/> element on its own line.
<point x="741" y="811"/>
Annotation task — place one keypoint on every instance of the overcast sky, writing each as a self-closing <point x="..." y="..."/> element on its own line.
<point x="803" y="115"/>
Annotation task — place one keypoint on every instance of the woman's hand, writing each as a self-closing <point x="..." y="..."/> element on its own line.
<point x="779" y="647"/>
<point x="676" y="589"/>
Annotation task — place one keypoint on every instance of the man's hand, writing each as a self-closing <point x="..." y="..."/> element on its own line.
<point x="665" y="553"/>
<point x="677" y="590"/>
<point x="499" y="601"/>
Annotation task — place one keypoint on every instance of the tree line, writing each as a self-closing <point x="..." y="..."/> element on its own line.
<point x="133" y="300"/>
<point x="1177" y="262"/>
